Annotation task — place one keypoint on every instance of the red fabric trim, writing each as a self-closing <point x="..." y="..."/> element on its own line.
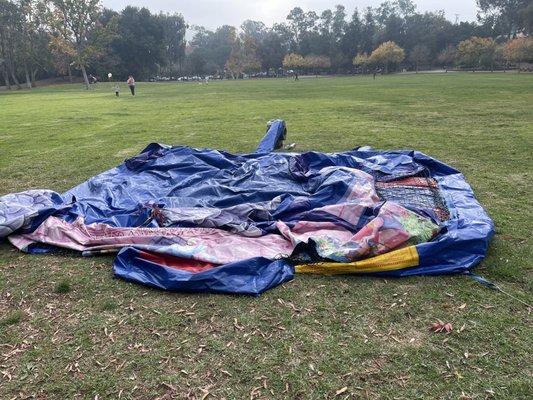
<point x="184" y="264"/>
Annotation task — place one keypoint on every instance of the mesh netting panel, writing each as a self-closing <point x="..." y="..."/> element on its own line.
<point x="417" y="192"/>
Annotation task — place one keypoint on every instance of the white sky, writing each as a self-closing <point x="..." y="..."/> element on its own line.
<point x="213" y="13"/>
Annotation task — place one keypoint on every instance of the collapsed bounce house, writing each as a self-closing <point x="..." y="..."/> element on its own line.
<point x="203" y="220"/>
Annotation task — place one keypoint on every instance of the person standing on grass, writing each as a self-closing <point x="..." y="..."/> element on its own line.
<point x="131" y="84"/>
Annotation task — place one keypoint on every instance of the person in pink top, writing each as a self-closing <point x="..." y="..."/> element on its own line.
<point x="131" y="83"/>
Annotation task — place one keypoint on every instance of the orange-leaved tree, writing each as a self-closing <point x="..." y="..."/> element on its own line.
<point x="519" y="50"/>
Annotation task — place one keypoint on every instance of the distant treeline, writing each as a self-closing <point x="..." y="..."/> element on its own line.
<point x="46" y="38"/>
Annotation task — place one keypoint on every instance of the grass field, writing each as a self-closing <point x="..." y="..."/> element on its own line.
<point x="68" y="329"/>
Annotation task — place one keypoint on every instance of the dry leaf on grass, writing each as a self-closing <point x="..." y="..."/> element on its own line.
<point x="440" y="326"/>
<point x="341" y="391"/>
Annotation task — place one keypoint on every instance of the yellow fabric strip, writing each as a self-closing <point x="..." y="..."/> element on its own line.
<point x="398" y="259"/>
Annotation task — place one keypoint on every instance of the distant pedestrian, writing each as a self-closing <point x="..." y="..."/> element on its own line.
<point x="131" y="84"/>
<point x="374" y="74"/>
<point x="117" y="89"/>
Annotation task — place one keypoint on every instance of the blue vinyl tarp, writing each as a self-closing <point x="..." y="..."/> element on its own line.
<point x="245" y="198"/>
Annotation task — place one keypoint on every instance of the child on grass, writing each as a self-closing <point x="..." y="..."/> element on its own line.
<point x="117" y="89"/>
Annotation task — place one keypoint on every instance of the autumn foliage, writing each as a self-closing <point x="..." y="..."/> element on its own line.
<point x="385" y="56"/>
<point x="519" y="50"/>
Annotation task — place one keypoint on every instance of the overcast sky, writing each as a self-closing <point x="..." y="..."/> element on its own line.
<point x="213" y="13"/>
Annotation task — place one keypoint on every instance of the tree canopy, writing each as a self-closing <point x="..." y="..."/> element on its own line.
<point x="506" y="17"/>
<point x="387" y="55"/>
<point x="46" y="38"/>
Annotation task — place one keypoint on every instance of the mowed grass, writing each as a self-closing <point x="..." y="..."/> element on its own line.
<point x="68" y="329"/>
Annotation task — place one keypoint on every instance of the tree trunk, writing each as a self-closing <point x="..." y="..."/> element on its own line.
<point x="4" y="63"/>
<point x="11" y="67"/>
<point x="69" y="74"/>
<point x="27" y="76"/>
<point x="33" y="75"/>
<point x="14" y="77"/>
<point x="85" y="78"/>
<point x="6" y="77"/>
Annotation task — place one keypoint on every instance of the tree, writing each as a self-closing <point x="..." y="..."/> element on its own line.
<point x="431" y="30"/>
<point x="326" y="20"/>
<point x="221" y="45"/>
<point x="339" y="27"/>
<point x="28" y="48"/>
<point x="499" y="56"/>
<point x="519" y="50"/>
<point x="316" y="63"/>
<point x="10" y="22"/>
<point x="196" y="61"/>
<point x="297" y="24"/>
<point x="283" y="32"/>
<point x="251" y="62"/>
<point x="338" y="24"/>
<point x="254" y="29"/>
<point x="74" y="24"/>
<point x="293" y="61"/>
<point x="352" y="40"/>
<point x="447" y="57"/>
<point x="505" y="16"/>
<point x="174" y="28"/>
<point x="140" y="43"/>
<point x="109" y="60"/>
<point x="235" y="63"/>
<point x="362" y="60"/>
<point x="489" y="54"/>
<point x="387" y="55"/>
<point x="271" y="50"/>
<point x="213" y="47"/>
<point x="526" y="16"/>
<point x="243" y="58"/>
<point x="369" y="31"/>
<point x="391" y="18"/>
<point x="476" y="52"/>
<point x="419" y="55"/>
<point x="322" y="62"/>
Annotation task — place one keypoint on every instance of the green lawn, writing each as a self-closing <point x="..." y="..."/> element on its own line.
<point x="68" y="329"/>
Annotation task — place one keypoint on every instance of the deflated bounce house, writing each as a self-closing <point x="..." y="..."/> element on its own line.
<point x="203" y="220"/>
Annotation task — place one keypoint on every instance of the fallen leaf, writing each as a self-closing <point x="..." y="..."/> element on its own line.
<point x="341" y="391"/>
<point x="169" y="386"/>
<point x="440" y="326"/>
